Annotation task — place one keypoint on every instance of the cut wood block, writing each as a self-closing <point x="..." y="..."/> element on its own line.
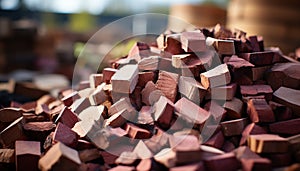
<point x="234" y="108"/>
<point x="294" y="143"/>
<point x="236" y="62"/>
<point x="173" y="44"/>
<point x="95" y="80"/>
<point x="27" y="155"/>
<point x="223" y="47"/>
<point x="60" y="157"/>
<point x="228" y="146"/>
<point x="191" y="167"/>
<point x="120" y="62"/>
<point x="145" y="77"/>
<point x="254" y="43"/>
<point x="138" y="51"/>
<point x="70" y="98"/>
<point x="288" y="97"/>
<point x="251" y="129"/>
<point x="190" y="111"/>
<point x="167" y="83"/>
<point x="226" y="92"/>
<point x="125" y="79"/>
<point x="80" y="104"/>
<point x="107" y="74"/>
<point x="29" y="106"/>
<point x="257" y="90"/>
<point x="279" y="159"/>
<point x="149" y="63"/>
<point x="268" y="143"/>
<point x="118" y="119"/>
<point x="216" y="140"/>
<point x="259" y="58"/>
<point x="181" y="60"/>
<point x="284" y="74"/>
<point x="123" y="103"/>
<point x="65" y="135"/>
<point x="149" y="88"/>
<point x="193" y="41"/>
<point x="281" y="112"/>
<point x="259" y="111"/>
<point x="87" y="155"/>
<point x="224" y="162"/>
<point x="158" y="141"/>
<point x="289" y="127"/>
<point x="12" y="133"/>
<point x="7" y="155"/>
<point x="42" y="109"/>
<point x="98" y="96"/>
<point x="217" y="76"/>
<point x="234" y="127"/>
<point x="145" y="116"/>
<point x="216" y="111"/>
<point x="10" y="114"/>
<point x="38" y="131"/>
<point x="167" y="157"/>
<point x="136" y="132"/>
<point x="163" y="114"/>
<point x="86" y="92"/>
<point x="191" y="89"/>
<point x="258" y="73"/>
<point x="67" y="117"/>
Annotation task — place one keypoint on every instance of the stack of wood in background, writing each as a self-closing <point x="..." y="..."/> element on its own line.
<point x="180" y="106"/>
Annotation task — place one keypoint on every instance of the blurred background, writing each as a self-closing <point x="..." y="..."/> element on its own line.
<point x="46" y="36"/>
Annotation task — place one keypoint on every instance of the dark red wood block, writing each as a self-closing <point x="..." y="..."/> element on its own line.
<point x="70" y="98"/>
<point x="289" y="127"/>
<point x="65" y="135"/>
<point x="234" y="127"/>
<point x="163" y="114"/>
<point x="167" y="83"/>
<point x="193" y="41"/>
<point x="280" y="159"/>
<point x="29" y="106"/>
<point x="281" y="112"/>
<point x="256" y="90"/>
<point x="288" y="97"/>
<point x="122" y="168"/>
<point x="216" y="140"/>
<point x="225" y="162"/>
<point x="268" y="143"/>
<point x="136" y="132"/>
<point x="145" y="77"/>
<point x="11" y="133"/>
<point x="173" y="45"/>
<point x="138" y="51"/>
<point x="10" y="114"/>
<point x="251" y="129"/>
<point x="107" y="74"/>
<point x="67" y="117"/>
<point x="190" y="167"/>
<point x="259" y="58"/>
<point x="95" y="80"/>
<point x="259" y="111"/>
<point x="27" y="155"/>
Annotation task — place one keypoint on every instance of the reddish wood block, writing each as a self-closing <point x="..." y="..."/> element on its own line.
<point x="193" y="41"/>
<point x="70" y="98"/>
<point x="257" y="90"/>
<point x="167" y="84"/>
<point x="234" y="127"/>
<point x="258" y="73"/>
<point x="29" y="106"/>
<point x="280" y="159"/>
<point x="7" y="156"/>
<point x="251" y="129"/>
<point x="226" y="92"/>
<point x="118" y="119"/>
<point x="149" y="164"/>
<point x="191" y="89"/>
<point x="65" y="135"/>
<point x="268" y="143"/>
<point x="288" y="97"/>
<point x="191" y="167"/>
<point x="145" y="77"/>
<point x="83" y="85"/>
<point x="215" y="110"/>
<point x="67" y="117"/>
<point x="224" y="47"/>
<point x="259" y="58"/>
<point x="42" y="109"/>
<point x="125" y="79"/>
<point x="281" y="112"/>
<point x="190" y="111"/>
<point x="236" y="62"/>
<point x="256" y="164"/>
<point x="87" y="155"/>
<point x="98" y="96"/>
<point x="234" y="108"/>
<point x="158" y="141"/>
<point x="38" y="131"/>
<point x="95" y="80"/>
<point x="27" y="155"/>
<point x="11" y="133"/>
<point x="173" y="44"/>
<point x="163" y="114"/>
<point x="216" y="140"/>
<point x="136" y="132"/>
<point x="10" y="114"/>
<point x="220" y="32"/>
<point x="138" y="51"/>
<point x="254" y="43"/>
<point x="150" y="94"/>
<point x="123" y="103"/>
<point x="289" y="127"/>
<point x="145" y="116"/>
<point x="224" y="162"/>
<point x="80" y="104"/>
<point x="228" y="146"/>
<point x="107" y="74"/>
<point x="149" y="63"/>
<point x="60" y="157"/>
<point x="217" y="76"/>
<point x="259" y="111"/>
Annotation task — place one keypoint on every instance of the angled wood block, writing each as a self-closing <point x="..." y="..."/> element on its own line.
<point x="107" y="74"/>
<point x="29" y="106"/>
<point x="216" y="140"/>
<point x="150" y="94"/>
<point x="288" y="97"/>
<point x="173" y="44"/>
<point x="228" y="146"/>
<point x="136" y="132"/>
<point x="149" y="63"/>
<point x="83" y="85"/>
<point x="236" y="62"/>
<point x="60" y="157"/>
<point x="167" y="157"/>
<point x="38" y="131"/>
<point x="125" y="79"/>
<point x="98" y="96"/>
<point x="190" y="111"/>
<point x="67" y="117"/>
<point x="234" y="108"/>
<point x="234" y="127"/>
<point x="258" y="73"/>
<point x="80" y="104"/>
<point x="216" y="111"/>
<point x="280" y="159"/>
<point x="225" y="161"/>
<point x="27" y="155"/>
<point x="10" y="114"/>
<point x="284" y="74"/>
<point x="191" y="89"/>
<point x="95" y="80"/>
<point x="259" y="58"/>
<point x="42" y="109"/>
<point x="11" y="133"/>
<point x="167" y="83"/>
<point x="257" y="90"/>
<point x="145" y="116"/>
<point x="193" y="41"/>
<point x="145" y="77"/>
<point x="268" y="143"/>
<point x="70" y="98"/>
<point x="65" y="135"/>
<point x="158" y="141"/>
<point x="254" y="43"/>
<point x="217" y="76"/>
<point x="138" y="51"/>
<point x="123" y="103"/>
<point x="118" y="119"/>
<point x="259" y="111"/>
<point x="87" y="155"/>
<point x="281" y="112"/>
<point x="163" y="114"/>
<point x="224" y="47"/>
<point x="142" y="151"/>
<point x="251" y="129"/>
<point x="289" y="127"/>
<point x="191" y="167"/>
<point x="226" y="92"/>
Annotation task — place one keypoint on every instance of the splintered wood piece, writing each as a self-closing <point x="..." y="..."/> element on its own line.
<point x="173" y="44"/>
<point x="225" y="161"/>
<point x="98" y="96"/>
<point x="70" y="98"/>
<point x="123" y="103"/>
<point x="142" y="150"/>
<point x="234" y="127"/>
<point x="60" y="157"/>
<point x="226" y="92"/>
<point x="190" y="111"/>
<point x="288" y="97"/>
<point x="284" y="74"/>
<point x="181" y="60"/>
<point x="27" y="155"/>
<point x="163" y="114"/>
<point x="12" y="133"/>
<point x="191" y="89"/>
<point x="138" y="51"/>
<point x="234" y="108"/>
<point x="251" y="129"/>
<point x="224" y="47"/>
<point x="125" y="79"/>
<point x="257" y="90"/>
<point x="259" y="111"/>
<point x="217" y="76"/>
<point x="7" y="155"/>
<point x="193" y="41"/>
<point x="67" y="117"/>
<point x="167" y="83"/>
<point x="136" y="132"/>
<point x="149" y="63"/>
<point x="289" y="127"/>
<point x="107" y="74"/>
<point x="65" y="135"/>
<point x="259" y="58"/>
<point x="144" y="78"/>
<point x="95" y="80"/>
<point x="10" y="114"/>
<point x="268" y="143"/>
